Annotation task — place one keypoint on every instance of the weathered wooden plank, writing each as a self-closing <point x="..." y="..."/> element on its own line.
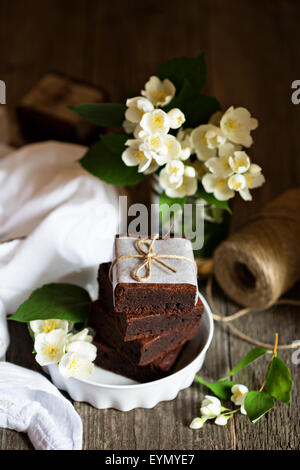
<point x="262" y="84"/>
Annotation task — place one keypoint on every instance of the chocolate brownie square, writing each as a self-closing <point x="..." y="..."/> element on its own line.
<point x="137" y="327"/>
<point x="140" y="351"/>
<point x="106" y="297"/>
<point x="167" y="290"/>
<point x="110" y="359"/>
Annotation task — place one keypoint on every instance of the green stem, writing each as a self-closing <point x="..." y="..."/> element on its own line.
<point x="274" y="353"/>
<point x="230" y="412"/>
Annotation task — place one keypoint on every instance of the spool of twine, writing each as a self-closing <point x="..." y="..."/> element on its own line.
<point x="259" y="262"/>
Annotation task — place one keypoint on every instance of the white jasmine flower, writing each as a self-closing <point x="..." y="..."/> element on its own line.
<point x="50" y="347"/>
<point x="74" y="364"/>
<point x="134" y="156"/>
<point x="128" y="126"/>
<point x="172" y="151"/>
<point x="45" y="326"/>
<point x="178" y="180"/>
<point x="184" y="154"/>
<point x="151" y="168"/>
<point x="254" y="169"/>
<point x="237" y="182"/>
<point x="80" y="353"/>
<point x="219" y="166"/>
<point x="172" y="174"/>
<point x="236" y="124"/>
<point x="155" y="143"/>
<point x="83" y="348"/>
<point x="197" y="423"/>
<point x="155" y="122"/>
<point x="200" y="143"/>
<point x="190" y="172"/>
<point x="221" y="420"/>
<point x="218" y="186"/>
<point x="137" y="107"/>
<point x="155" y="147"/>
<point x="239" y="162"/>
<point x="184" y="137"/>
<point x="82" y="335"/>
<point x="159" y="92"/>
<point x="215" y="118"/>
<point x="139" y="133"/>
<point x="210" y="407"/>
<point x="239" y="393"/>
<point x="177" y="118"/>
<point x="254" y="179"/>
<point x="226" y="164"/>
<point x="215" y="137"/>
<point x="228" y="149"/>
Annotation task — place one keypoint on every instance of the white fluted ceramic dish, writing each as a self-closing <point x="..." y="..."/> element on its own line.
<point x="106" y="389"/>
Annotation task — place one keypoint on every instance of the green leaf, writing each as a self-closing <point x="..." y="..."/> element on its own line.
<point x="181" y="68"/>
<point x="165" y="202"/>
<point x="279" y="382"/>
<point x="196" y="107"/>
<point x="109" y="167"/>
<point x="115" y="143"/>
<point x="102" y="114"/>
<point x="221" y="389"/>
<point x="252" y="355"/>
<point x="211" y="199"/>
<point x="62" y="301"/>
<point x="257" y="404"/>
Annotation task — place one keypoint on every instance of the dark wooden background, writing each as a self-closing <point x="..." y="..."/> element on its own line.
<point x="252" y="57"/>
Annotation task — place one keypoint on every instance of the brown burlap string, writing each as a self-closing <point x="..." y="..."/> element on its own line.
<point x="217" y="316"/>
<point x="260" y="261"/>
<point x="147" y="258"/>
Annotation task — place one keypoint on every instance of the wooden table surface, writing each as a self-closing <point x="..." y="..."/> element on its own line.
<point x="252" y="57"/>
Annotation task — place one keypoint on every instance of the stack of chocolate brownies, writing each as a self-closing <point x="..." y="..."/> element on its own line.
<point x="142" y="325"/>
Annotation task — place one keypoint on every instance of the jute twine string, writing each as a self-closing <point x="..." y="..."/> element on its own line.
<point x="260" y="261"/>
<point x="217" y="316"/>
<point x="147" y="258"/>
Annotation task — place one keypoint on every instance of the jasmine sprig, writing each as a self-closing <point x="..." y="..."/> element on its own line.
<point x="277" y="385"/>
<point x="50" y="313"/>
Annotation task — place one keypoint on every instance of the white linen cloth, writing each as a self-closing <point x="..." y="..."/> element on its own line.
<point x="30" y="403"/>
<point x="57" y="223"/>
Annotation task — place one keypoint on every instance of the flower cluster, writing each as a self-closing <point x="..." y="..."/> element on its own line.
<point x="54" y="343"/>
<point x="213" y="153"/>
<point x="153" y="145"/>
<point x="220" y="145"/>
<point x="211" y="408"/>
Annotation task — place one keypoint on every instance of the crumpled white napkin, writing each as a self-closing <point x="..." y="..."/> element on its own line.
<point x="57" y="223"/>
<point x="30" y="403"/>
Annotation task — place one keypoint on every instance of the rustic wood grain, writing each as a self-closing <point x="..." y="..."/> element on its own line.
<point x="252" y="57"/>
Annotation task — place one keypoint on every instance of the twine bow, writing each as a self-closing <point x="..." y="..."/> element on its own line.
<point x="147" y="258"/>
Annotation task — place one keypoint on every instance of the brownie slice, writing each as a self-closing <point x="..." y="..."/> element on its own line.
<point x="140" y="351"/>
<point x="137" y="327"/>
<point x="110" y="359"/>
<point x="164" y="293"/>
<point x="165" y="298"/>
